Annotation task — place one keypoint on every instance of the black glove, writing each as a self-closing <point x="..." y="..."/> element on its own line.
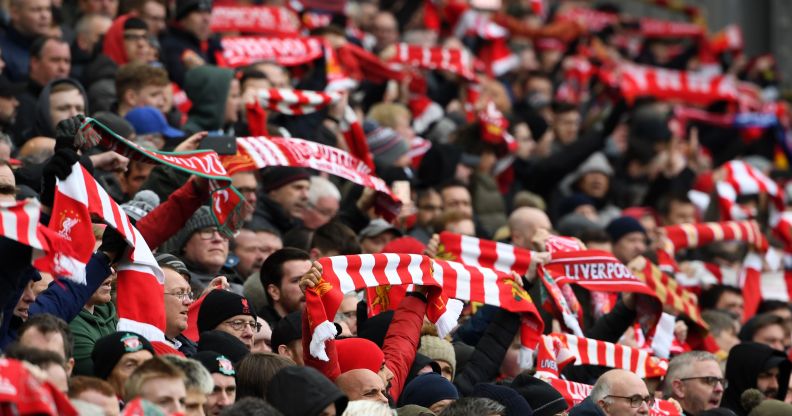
<point x="58" y="166"/>
<point x="66" y="130"/>
<point x="113" y="244"/>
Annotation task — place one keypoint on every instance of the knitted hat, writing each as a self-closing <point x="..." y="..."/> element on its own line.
<point x="169" y="260"/>
<point x="622" y="226"/>
<point x="437" y="348"/>
<point x="141" y="204"/>
<point x="771" y="407"/>
<point x="108" y="350"/>
<point x="286" y="330"/>
<point x="515" y="404"/>
<point x="542" y="397"/>
<point x="428" y="389"/>
<point x="223" y="343"/>
<point x="220" y="305"/>
<point x="185" y="7"/>
<point x="386" y="146"/>
<point x="279" y="176"/>
<point x="356" y="353"/>
<point x="572" y="202"/>
<point x="414" y="410"/>
<point x="202" y="218"/>
<point x="215" y="363"/>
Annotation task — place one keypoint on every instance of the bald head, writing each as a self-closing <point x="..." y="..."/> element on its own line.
<point x="523" y="224"/>
<point x="362" y="384"/>
<point x="613" y="391"/>
<point x="37" y="149"/>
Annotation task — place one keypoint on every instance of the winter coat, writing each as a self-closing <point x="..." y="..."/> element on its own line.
<point x="303" y="391"/>
<point x="175" y="43"/>
<point x="746" y="361"/>
<point x="42" y="125"/>
<point x="88" y="327"/>
<point x="488" y="202"/>
<point x="269" y="214"/>
<point x="207" y="88"/>
<point x="586" y="408"/>
<point x="16" y="53"/>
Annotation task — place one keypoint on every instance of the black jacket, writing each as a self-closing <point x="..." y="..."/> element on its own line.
<point x="586" y="408"/>
<point x="746" y="361"/>
<point x="269" y="214"/>
<point x="303" y="391"/>
<point x="176" y="42"/>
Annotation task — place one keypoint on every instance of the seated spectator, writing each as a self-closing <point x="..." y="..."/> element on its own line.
<point x="695" y="380"/>
<point x="178" y="298"/>
<point x="256" y="371"/>
<point x="723" y="298"/>
<point x="287" y="337"/>
<point x="617" y="392"/>
<point x="755" y="366"/>
<point x="303" y="391"/>
<point x="376" y="235"/>
<point x="283" y="198"/>
<point x="50" y="362"/>
<point x="323" y="202"/>
<point x="362" y="384"/>
<point x="431" y="391"/>
<point x="140" y="85"/>
<point x="765" y="329"/>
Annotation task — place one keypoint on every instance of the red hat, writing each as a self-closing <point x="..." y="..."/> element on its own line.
<point x="404" y="245"/>
<point x="357" y="353"/>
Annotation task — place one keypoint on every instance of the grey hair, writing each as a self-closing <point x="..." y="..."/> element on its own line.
<point x="322" y="187"/>
<point x="602" y="389"/>
<point x="196" y="376"/>
<point x="474" y="406"/>
<point x="367" y="408"/>
<point x="679" y="367"/>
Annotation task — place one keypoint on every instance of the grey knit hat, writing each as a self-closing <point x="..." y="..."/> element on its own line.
<point x="200" y="220"/>
<point x="141" y="204"/>
<point x="386" y="145"/>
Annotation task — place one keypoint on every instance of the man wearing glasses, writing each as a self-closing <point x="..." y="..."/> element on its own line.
<point x="696" y="381"/>
<point x="228" y="312"/>
<point x="178" y="298"/>
<point x="616" y="393"/>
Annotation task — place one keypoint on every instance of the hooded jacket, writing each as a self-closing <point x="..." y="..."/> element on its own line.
<point x="207" y="87"/>
<point x="113" y="44"/>
<point x="88" y="327"/>
<point x="746" y="361"/>
<point x="43" y="123"/>
<point x="176" y="43"/>
<point x="303" y="391"/>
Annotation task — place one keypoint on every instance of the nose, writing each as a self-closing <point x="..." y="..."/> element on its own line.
<point x="381" y="397"/>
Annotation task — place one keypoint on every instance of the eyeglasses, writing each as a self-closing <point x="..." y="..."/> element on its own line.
<point x="182" y="296"/>
<point x="636" y="401"/>
<point x="710" y="381"/>
<point x="208" y="233"/>
<point x="240" y="325"/>
<point x="247" y="190"/>
<point x="134" y="37"/>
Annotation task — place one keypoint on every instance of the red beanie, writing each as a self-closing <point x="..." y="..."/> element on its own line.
<point x="357" y="353"/>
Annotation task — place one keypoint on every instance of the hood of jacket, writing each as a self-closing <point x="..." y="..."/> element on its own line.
<point x="586" y="408"/>
<point x="207" y="88"/>
<point x="43" y="122"/>
<point x="103" y="315"/>
<point x="303" y="391"/>
<point x="113" y="44"/>
<point x="745" y="362"/>
<point x="597" y="162"/>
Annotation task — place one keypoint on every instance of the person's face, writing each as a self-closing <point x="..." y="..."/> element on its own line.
<point x="348" y="313"/>
<point x="33" y="17"/>
<point x="134" y="178"/>
<point x="197" y="23"/>
<point x="207" y="248"/>
<point x="167" y="393"/>
<point x="438" y="407"/>
<point x="153" y="13"/>
<point x="385" y="30"/>
<point x="270" y="243"/>
<point x="594" y="184"/>
<point x="292" y="197"/>
<point x="445" y="369"/>
<point x="629" y="246"/>
<point x="56" y="375"/>
<point x="8" y="109"/>
<point x="289" y="297"/>
<point x="463" y="227"/>
<point x="246" y="184"/>
<point x="124" y="367"/>
<point x="567" y="126"/>
<point x="177" y="301"/>
<point x="430" y="206"/>
<point x="731" y="302"/>
<point x="136" y="45"/>
<point x="50" y="341"/>
<point x="194" y="403"/>
<point x="223" y="395"/>
<point x="375" y="244"/>
<point x="681" y="213"/>
<point x="457" y="198"/>
<point x="539" y="89"/>
<point x="66" y="104"/>
<point x="767" y="383"/>
<point x="27" y="299"/>
<point x="102" y="295"/>
<point x="262" y="340"/>
<point x="244" y="333"/>
<point x="107" y="8"/>
<point x="772" y="336"/>
<point x="232" y="102"/>
<point x="321" y="213"/>
<point x="151" y="95"/>
<point x="694" y="394"/>
<point x="366" y="386"/>
<point x="55" y="62"/>
<point x="108" y="403"/>
<point x="628" y="387"/>
<point x="7" y="180"/>
<point x="727" y="339"/>
<point x="250" y="252"/>
<point x="276" y="75"/>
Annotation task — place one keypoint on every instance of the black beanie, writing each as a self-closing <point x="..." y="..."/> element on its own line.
<point x="108" y="350"/>
<point x="288" y="329"/>
<point x="220" y="305"/>
<point x="215" y="363"/>
<point x="279" y="176"/>
<point x="622" y="226"/>
<point x="223" y="343"/>
<point x="185" y="7"/>
<point x="543" y="398"/>
<point x="135" y="23"/>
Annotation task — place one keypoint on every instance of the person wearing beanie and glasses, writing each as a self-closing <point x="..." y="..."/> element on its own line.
<point x="283" y="198"/>
<point x="628" y="237"/>
<point x="222" y="370"/>
<point x="189" y="42"/>
<point x="117" y="355"/>
<point x="228" y="312"/>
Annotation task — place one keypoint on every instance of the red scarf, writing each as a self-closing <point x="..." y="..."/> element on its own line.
<point x="456" y="61"/>
<point x="261" y="20"/>
<point x="246" y="50"/>
<point x="639" y="80"/>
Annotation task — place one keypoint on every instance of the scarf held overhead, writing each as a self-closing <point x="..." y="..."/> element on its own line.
<point x="261" y="20"/>
<point x="291" y="51"/>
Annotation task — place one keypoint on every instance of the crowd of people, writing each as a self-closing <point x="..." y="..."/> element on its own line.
<point x="255" y="207"/>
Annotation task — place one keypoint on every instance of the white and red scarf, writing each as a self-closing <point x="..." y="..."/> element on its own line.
<point x="687" y="236"/>
<point x="260" y="20"/>
<point x="456" y="61"/>
<point x="140" y="304"/>
<point x="595" y="270"/>
<point x="288" y="51"/>
<point x="295" y="102"/>
<point x="635" y="81"/>
<point x="501" y="257"/>
<point x="52" y="253"/>
<point x="740" y="178"/>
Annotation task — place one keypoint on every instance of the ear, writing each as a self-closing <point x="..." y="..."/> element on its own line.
<point x="130" y="97"/>
<point x="274" y="292"/>
<point x="678" y="389"/>
<point x="284" y="350"/>
<point x="69" y="366"/>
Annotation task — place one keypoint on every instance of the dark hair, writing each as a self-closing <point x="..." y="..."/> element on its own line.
<point x="35" y="356"/>
<point x="272" y="268"/>
<point x="250" y="73"/>
<point x="770" y="305"/>
<point x="709" y="297"/>
<point x="594" y="236"/>
<point x="467" y="406"/>
<point x="38" y="45"/>
<point x="758" y="323"/>
<point x="251" y="406"/>
<point x="560" y="107"/>
<point x="664" y="206"/>
<point x="254" y="372"/>
<point x="46" y="323"/>
<point x="451" y="183"/>
<point x="336" y="237"/>
<point x="298" y="237"/>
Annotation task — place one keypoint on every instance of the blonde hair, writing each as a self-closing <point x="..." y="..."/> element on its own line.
<point x="387" y="114"/>
<point x="152" y="369"/>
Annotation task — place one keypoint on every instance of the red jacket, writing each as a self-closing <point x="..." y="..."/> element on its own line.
<point x="400" y="346"/>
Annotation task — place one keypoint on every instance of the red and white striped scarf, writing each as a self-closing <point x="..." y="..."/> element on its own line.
<point x="261" y="20"/>
<point x="640" y="80"/>
<point x="52" y="253"/>
<point x="343" y="274"/>
<point x="287" y="51"/>
<point x="296" y="102"/>
<point x="501" y="257"/>
<point x="140" y="303"/>
<point x="574" y="393"/>
<point x="456" y="61"/>
<point x="595" y="270"/>
<point x="740" y="178"/>
<point x="687" y="236"/>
